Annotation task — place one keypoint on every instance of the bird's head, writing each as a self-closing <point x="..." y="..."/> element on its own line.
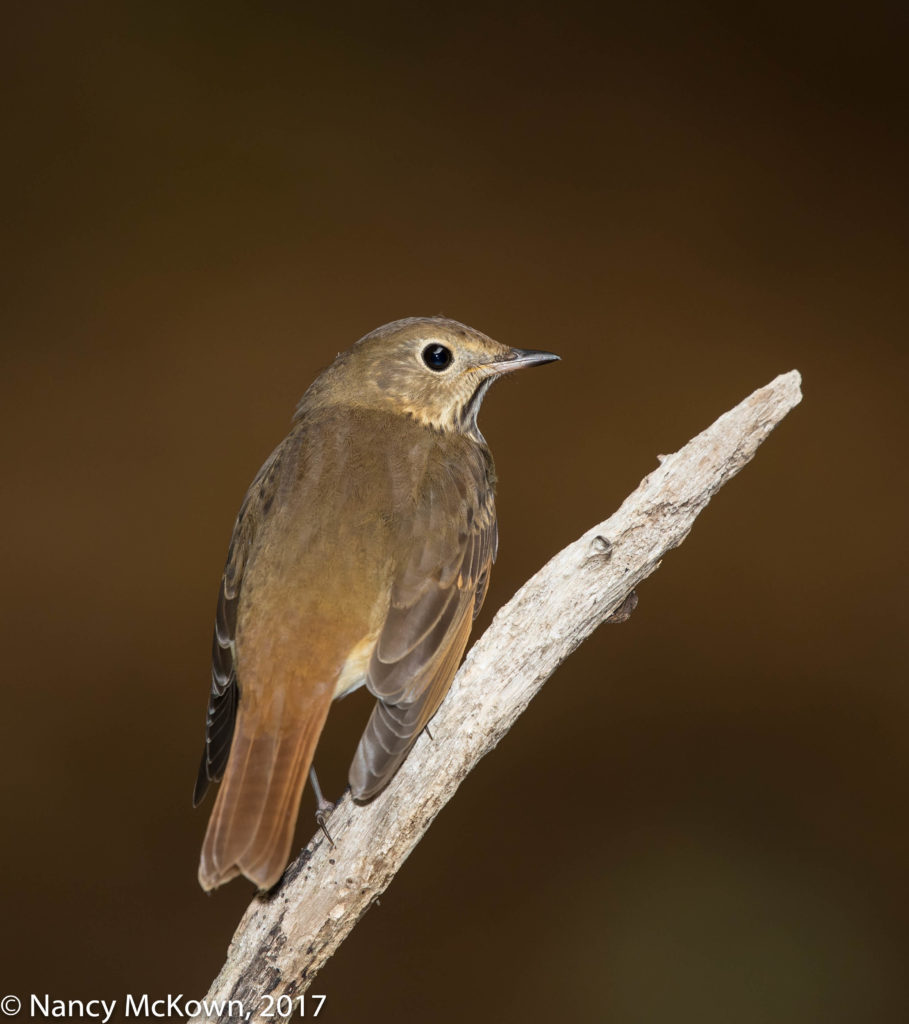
<point x="433" y="370"/>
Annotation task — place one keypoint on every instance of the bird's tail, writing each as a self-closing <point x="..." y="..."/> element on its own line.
<point x="252" y="824"/>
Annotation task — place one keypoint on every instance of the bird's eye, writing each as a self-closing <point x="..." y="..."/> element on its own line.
<point x="437" y="357"/>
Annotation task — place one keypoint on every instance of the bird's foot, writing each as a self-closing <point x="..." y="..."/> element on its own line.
<point x="623" y="612"/>
<point x="325" y="808"/>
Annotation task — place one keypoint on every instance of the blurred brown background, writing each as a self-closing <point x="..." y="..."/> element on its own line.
<point x="703" y="816"/>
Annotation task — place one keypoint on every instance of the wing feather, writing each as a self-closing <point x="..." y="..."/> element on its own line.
<point x="222" y="702"/>
<point x="435" y="597"/>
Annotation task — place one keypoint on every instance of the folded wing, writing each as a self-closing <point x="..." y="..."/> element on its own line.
<point x="437" y="593"/>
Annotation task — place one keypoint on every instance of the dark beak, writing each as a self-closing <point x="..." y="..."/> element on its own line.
<point x="519" y="358"/>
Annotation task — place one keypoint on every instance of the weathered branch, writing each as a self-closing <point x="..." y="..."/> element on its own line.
<point x="285" y="937"/>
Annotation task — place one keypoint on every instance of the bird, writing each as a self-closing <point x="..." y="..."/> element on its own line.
<point x="360" y="556"/>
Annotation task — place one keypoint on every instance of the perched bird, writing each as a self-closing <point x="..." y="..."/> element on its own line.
<point x="361" y="554"/>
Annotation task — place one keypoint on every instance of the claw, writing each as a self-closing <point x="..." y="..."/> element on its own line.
<point x="324" y="806"/>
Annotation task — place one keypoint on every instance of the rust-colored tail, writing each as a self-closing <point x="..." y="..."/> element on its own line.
<point x="252" y="824"/>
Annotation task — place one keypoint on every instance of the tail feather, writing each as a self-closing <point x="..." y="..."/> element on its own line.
<point x="231" y="818"/>
<point x="267" y="855"/>
<point x="252" y="824"/>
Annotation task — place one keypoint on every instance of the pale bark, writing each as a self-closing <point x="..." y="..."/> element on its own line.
<point x="286" y="936"/>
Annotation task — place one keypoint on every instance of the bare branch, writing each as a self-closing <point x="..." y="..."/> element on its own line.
<point x="285" y="937"/>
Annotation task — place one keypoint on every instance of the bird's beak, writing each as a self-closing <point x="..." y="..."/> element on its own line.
<point x="518" y="358"/>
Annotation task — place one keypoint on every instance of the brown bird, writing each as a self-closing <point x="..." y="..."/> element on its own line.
<point x="361" y="554"/>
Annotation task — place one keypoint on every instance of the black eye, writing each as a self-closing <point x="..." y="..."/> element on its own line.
<point x="437" y="357"/>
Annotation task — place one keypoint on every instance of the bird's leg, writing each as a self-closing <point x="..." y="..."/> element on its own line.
<point x="324" y="806"/>
<point x="428" y="733"/>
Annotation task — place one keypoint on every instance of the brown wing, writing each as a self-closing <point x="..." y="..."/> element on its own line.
<point x="222" y="701"/>
<point x="435" y="597"/>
